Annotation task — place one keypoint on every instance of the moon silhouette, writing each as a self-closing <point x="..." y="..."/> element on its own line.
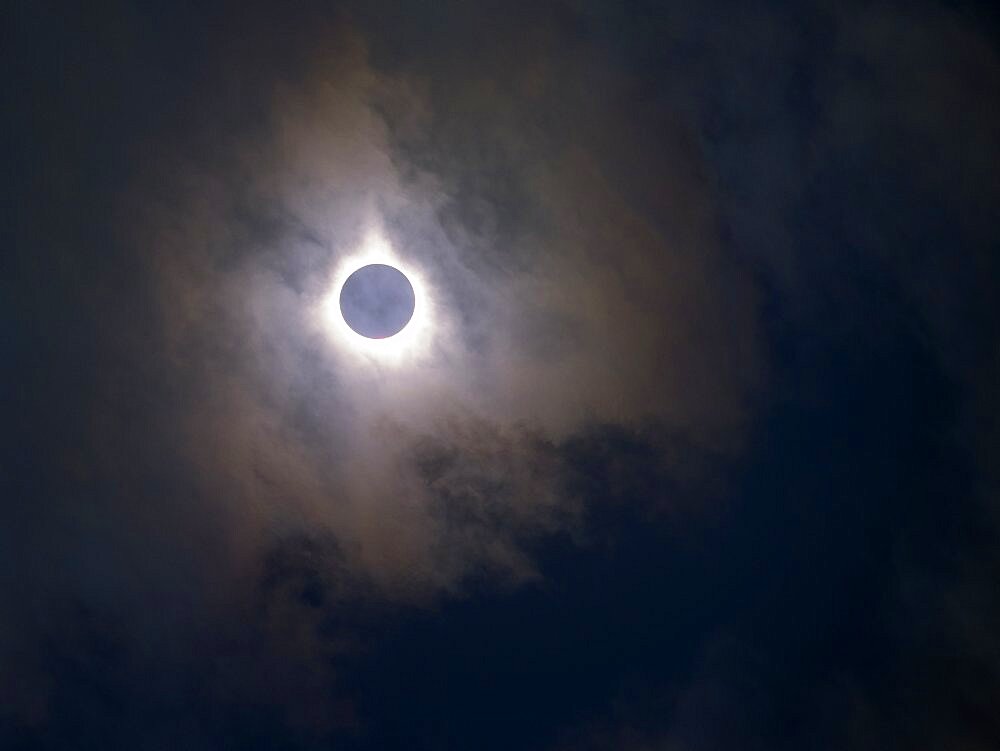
<point x="377" y="301"/>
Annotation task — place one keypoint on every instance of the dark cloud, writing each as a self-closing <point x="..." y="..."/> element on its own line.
<point x="697" y="450"/>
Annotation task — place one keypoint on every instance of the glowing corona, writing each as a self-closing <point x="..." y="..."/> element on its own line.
<point x="404" y="345"/>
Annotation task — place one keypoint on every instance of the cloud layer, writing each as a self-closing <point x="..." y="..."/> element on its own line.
<point x="704" y="415"/>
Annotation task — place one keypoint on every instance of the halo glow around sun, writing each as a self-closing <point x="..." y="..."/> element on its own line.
<point x="411" y="340"/>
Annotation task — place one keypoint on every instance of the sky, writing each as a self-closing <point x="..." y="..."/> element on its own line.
<point x="692" y="443"/>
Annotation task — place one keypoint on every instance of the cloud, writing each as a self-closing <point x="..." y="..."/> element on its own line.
<point x="856" y="164"/>
<point x="593" y="309"/>
<point x="222" y="423"/>
<point x="628" y="221"/>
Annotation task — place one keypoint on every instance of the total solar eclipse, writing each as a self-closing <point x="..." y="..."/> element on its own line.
<point x="377" y="301"/>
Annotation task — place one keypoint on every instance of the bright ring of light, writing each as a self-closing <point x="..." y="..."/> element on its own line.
<point x="393" y="349"/>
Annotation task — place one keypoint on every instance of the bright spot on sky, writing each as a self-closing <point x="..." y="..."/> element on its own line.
<point x="414" y="337"/>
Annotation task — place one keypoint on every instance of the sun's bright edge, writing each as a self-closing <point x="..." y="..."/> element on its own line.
<point x="411" y="340"/>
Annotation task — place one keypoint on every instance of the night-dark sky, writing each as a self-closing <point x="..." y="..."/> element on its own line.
<point x="693" y="441"/>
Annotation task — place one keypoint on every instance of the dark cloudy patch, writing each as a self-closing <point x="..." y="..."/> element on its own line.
<point x="269" y="669"/>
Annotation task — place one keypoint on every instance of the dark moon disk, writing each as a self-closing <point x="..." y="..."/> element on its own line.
<point x="377" y="301"/>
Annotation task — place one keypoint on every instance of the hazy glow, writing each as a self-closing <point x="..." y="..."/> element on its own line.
<point x="409" y="342"/>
